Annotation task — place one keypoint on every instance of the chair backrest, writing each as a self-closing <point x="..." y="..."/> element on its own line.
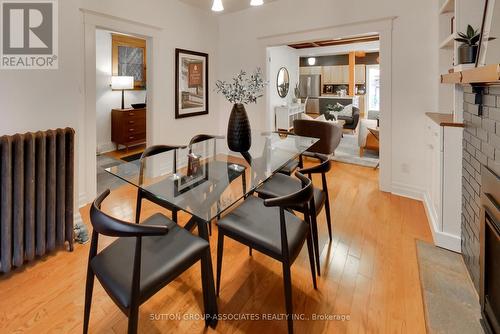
<point x="302" y="197"/>
<point x="154" y="150"/>
<point x="199" y="138"/>
<point x="329" y="134"/>
<point x="109" y="226"/>
<point x="324" y="166"/>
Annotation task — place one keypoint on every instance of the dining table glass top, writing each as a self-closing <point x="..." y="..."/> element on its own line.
<point x="206" y="178"/>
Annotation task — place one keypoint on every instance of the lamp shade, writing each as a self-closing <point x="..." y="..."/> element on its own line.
<point x="119" y="82"/>
<point x="256" y="2"/>
<point x="311" y="61"/>
<point x="217" y="6"/>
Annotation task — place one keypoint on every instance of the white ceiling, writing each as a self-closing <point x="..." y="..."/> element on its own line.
<point x="229" y="5"/>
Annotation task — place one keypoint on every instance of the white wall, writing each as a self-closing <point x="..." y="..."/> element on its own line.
<point x="278" y="57"/>
<point x="106" y="98"/>
<point x="38" y="100"/>
<point x="414" y="65"/>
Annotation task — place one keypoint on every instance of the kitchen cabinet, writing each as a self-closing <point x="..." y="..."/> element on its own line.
<point x="360" y="74"/>
<point x="443" y="196"/>
<point x="335" y="75"/>
<point x="309" y="70"/>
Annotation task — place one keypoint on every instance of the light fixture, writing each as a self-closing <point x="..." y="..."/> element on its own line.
<point x="217" y="6"/>
<point x="311" y="61"/>
<point x="122" y="83"/>
<point x="256" y="2"/>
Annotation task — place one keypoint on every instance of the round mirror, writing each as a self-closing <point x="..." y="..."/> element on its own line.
<point x="283" y="82"/>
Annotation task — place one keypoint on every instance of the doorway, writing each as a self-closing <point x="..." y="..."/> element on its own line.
<point x="383" y="29"/>
<point x="121" y="106"/>
<point x="93" y="22"/>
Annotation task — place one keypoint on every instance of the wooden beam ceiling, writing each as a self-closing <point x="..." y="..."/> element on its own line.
<point x="333" y="42"/>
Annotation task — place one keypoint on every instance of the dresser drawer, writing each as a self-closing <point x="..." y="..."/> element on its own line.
<point x="128" y="126"/>
<point x="135" y="137"/>
<point x="134" y="130"/>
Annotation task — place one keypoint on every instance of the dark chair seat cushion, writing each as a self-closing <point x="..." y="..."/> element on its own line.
<point x="260" y="226"/>
<point x="290" y="167"/>
<point x="163" y="259"/>
<point x="348" y="119"/>
<point x="282" y="185"/>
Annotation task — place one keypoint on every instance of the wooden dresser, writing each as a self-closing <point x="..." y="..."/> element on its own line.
<point x="128" y="127"/>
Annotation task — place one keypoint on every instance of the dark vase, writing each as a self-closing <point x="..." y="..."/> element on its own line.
<point x="239" y="135"/>
<point x="467" y="54"/>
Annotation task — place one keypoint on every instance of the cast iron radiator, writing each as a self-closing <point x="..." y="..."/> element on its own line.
<point x="36" y="195"/>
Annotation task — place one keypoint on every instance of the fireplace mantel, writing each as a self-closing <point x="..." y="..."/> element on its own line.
<point x="487" y="75"/>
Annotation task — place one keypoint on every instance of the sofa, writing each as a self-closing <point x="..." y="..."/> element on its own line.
<point x="329" y="134"/>
<point x="351" y="122"/>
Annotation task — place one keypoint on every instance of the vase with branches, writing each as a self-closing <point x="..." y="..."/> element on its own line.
<point x="243" y="89"/>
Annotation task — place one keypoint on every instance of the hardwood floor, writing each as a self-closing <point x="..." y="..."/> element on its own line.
<point x="369" y="274"/>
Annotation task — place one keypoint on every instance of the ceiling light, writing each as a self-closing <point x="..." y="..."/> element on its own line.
<point x="256" y="2"/>
<point x="217" y="6"/>
<point x="311" y="61"/>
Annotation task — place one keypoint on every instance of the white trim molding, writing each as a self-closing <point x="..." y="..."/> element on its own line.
<point x="384" y="27"/>
<point x="92" y="21"/>
<point x="441" y="239"/>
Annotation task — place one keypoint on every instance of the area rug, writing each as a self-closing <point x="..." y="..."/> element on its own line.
<point x="104" y="179"/>
<point x="450" y="301"/>
<point x="348" y="152"/>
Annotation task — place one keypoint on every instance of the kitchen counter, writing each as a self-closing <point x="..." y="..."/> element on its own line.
<point x="337" y="97"/>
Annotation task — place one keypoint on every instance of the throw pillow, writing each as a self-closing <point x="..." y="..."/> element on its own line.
<point x="322" y="118"/>
<point x="306" y="117"/>
<point x="347" y="111"/>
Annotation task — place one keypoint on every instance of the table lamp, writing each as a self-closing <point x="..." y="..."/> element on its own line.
<point x="122" y="83"/>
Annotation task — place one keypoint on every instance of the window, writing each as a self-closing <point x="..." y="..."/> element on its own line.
<point x="129" y="58"/>
<point x="373" y="87"/>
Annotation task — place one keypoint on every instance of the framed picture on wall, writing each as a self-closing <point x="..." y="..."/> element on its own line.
<point x="191" y="83"/>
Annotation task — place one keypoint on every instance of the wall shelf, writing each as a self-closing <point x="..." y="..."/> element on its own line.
<point x="447" y="7"/>
<point x="448" y="43"/>
<point x="489" y="74"/>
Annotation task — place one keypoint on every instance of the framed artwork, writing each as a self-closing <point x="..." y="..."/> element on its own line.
<point x="191" y="83"/>
<point x="129" y="58"/>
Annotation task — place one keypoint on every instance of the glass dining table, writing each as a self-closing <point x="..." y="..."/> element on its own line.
<point x="207" y="178"/>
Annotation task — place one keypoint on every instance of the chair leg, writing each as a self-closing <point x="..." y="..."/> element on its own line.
<point x="328" y="217"/>
<point x="287" y="280"/>
<point x="311" y="259"/>
<point x="133" y="320"/>
<point x="174" y="215"/>
<point x="138" y="208"/>
<point x="210" y="228"/>
<point x="314" y="230"/>
<point x="89" y="288"/>
<point x="220" y="250"/>
<point x="249" y="251"/>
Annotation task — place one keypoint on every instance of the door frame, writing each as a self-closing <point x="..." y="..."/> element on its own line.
<point x="92" y="21"/>
<point x="383" y="27"/>
<point x="368" y="67"/>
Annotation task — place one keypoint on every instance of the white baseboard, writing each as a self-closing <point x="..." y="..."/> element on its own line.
<point x="405" y="190"/>
<point x="441" y="239"/>
<point x="106" y="147"/>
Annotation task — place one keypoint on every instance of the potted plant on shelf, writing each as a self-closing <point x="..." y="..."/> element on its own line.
<point x="242" y="90"/>
<point x="467" y="52"/>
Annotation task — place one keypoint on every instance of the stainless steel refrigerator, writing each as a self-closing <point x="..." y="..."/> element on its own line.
<point x="310" y="87"/>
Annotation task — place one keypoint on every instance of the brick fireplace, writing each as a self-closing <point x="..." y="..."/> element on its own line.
<point x="481" y="147"/>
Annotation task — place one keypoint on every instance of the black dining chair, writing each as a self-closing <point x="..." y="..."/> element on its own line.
<point x="143" y="194"/>
<point x="143" y="259"/>
<point x="255" y="224"/>
<point x="281" y="185"/>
